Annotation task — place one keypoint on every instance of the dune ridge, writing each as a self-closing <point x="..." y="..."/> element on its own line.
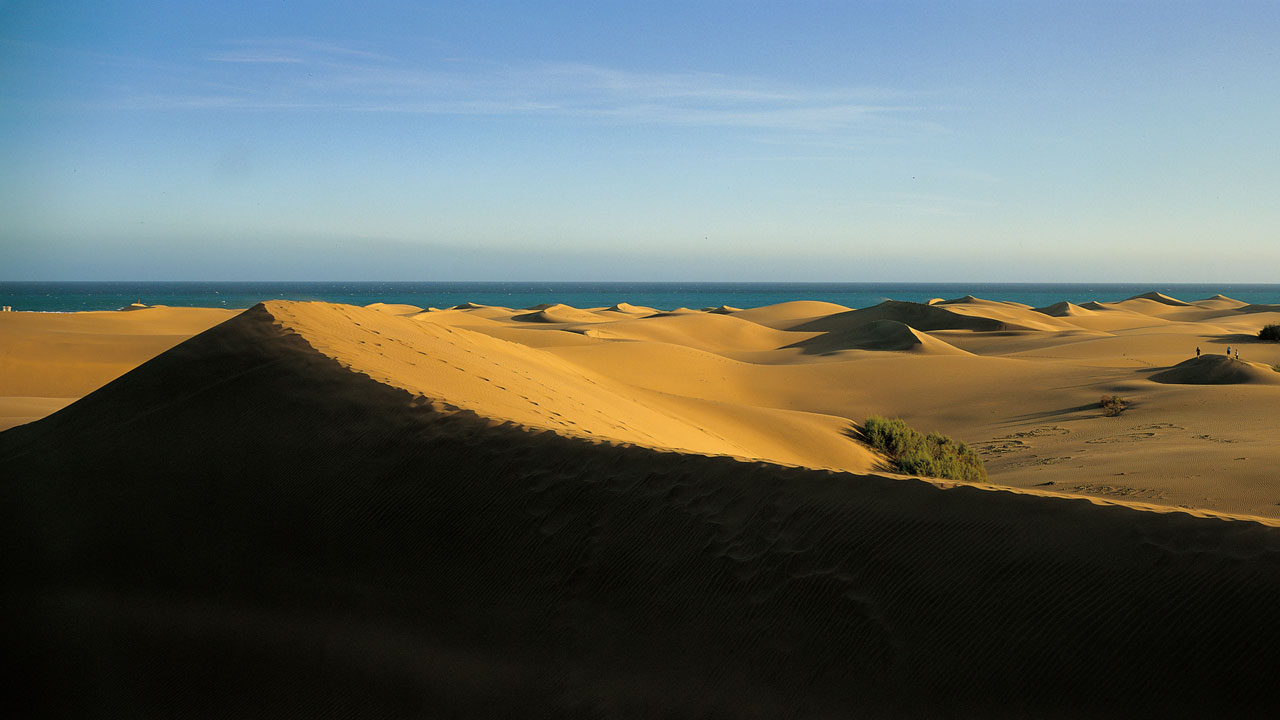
<point x="367" y="549"/>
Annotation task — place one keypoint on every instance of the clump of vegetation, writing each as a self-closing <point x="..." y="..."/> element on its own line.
<point x="1113" y="405"/>
<point x="1270" y="332"/>
<point x="914" y="453"/>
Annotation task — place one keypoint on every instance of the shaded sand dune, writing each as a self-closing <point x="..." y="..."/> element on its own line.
<point x="1217" y="370"/>
<point x="879" y="335"/>
<point x="336" y="545"/>
<point x="918" y="316"/>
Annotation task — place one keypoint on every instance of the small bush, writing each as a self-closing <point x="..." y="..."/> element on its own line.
<point x="1270" y="332"/>
<point x="1113" y="405"/>
<point x="931" y="455"/>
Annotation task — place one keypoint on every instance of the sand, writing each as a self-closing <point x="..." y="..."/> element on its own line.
<point x="47" y="360"/>
<point x="616" y="512"/>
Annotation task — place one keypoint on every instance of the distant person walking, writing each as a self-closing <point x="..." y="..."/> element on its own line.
<point x="1228" y="351"/>
<point x="1197" y="351"/>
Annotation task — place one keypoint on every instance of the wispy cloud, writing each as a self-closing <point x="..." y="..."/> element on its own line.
<point x="250" y="57"/>
<point x="306" y="74"/>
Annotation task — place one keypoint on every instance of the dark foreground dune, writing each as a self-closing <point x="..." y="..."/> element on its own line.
<point x="244" y="527"/>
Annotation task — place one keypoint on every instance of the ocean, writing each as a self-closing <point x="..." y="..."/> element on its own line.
<point x="79" y="296"/>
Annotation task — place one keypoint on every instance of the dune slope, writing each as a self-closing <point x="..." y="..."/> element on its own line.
<point x="248" y="526"/>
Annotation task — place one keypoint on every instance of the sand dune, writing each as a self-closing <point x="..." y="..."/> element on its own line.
<point x="1219" y="302"/>
<point x="1160" y="298"/>
<point x="971" y="300"/>
<point x="845" y="366"/>
<point x="67" y="355"/>
<point x="1063" y="309"/>
<point x="395" y="309"/>
<point x="1217" y="370"/>
<point x="1014" y="316"/>
<point x="1258" y="308"/>
<point x="715" y="333"/>
<point x="461" y="318"/>
<point x="784" y="316"/>
<point x="629" y="309"/>
<point x="324" y="510"/>
<point x="560" y="314"/>
<point x="920" y="317"/>
<point x="878" y="335"/>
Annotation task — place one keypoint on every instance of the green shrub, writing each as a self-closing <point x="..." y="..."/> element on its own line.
<point x="1270" y="332"/>
<point x="931" y="455"/>
<point x="1113" y="405"/>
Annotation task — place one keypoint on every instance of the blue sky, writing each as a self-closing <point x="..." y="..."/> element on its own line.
<point x="718" y="140"/>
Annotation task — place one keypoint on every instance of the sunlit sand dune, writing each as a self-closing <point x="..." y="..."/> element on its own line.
<point x="49" y="359"/>
<point x="396" y="309"/>
<point x="1217" y="370"/>
<point x="784" y="316"/>
<point x="562" y="314"/>
<point x="707" y="331"/>
<point x="343" y="510"/>
<point x="628" y="309"/>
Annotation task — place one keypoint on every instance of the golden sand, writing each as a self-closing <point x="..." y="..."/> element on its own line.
<point x="783" y="383"/>
<point x="611" y="512"/>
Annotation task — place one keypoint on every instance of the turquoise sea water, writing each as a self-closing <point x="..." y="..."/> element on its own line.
<point x="76" y="296"/>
